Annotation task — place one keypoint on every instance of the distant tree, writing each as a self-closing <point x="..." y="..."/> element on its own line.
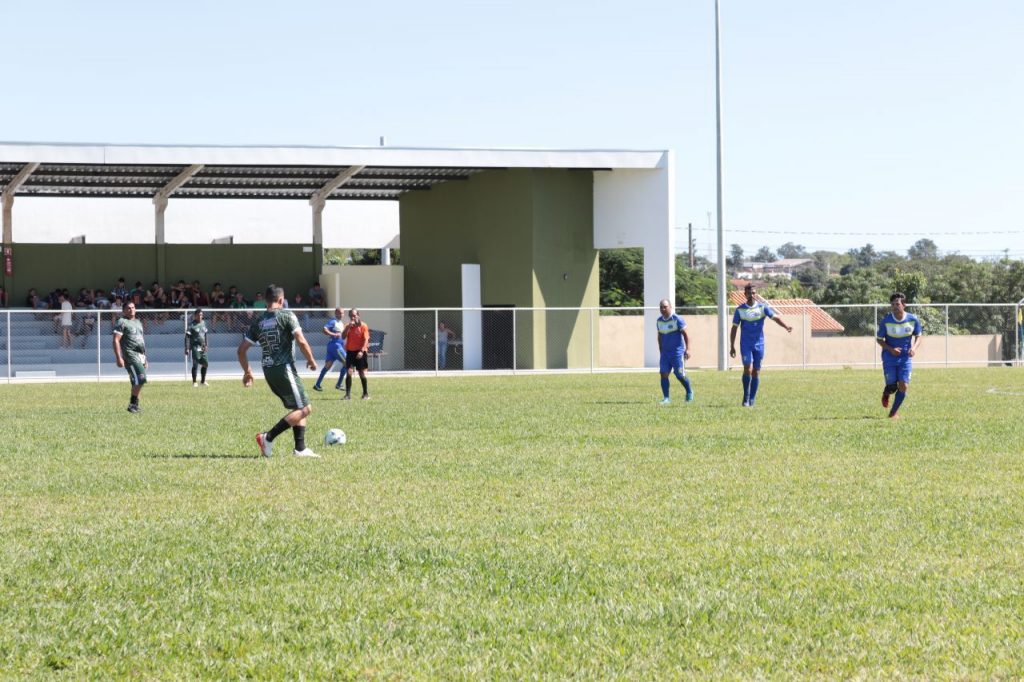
<point x="621" y="277"/>
<point x="923" y="249"/>
<point x="791" y="250"/>
<point x="694" y="286"/>
<point x="735" y="259"/>
<point x="765" y="255"/>
<point x="864" y="257"/>
<point x="910" y="283"/>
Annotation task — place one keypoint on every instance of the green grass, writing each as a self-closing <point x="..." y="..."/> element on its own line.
<point x="518" y="527"/>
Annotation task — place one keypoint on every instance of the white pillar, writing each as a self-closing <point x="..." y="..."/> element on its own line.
<point x="472" y="320"/>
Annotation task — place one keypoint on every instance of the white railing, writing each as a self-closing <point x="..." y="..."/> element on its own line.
<point x="41" y="345"/>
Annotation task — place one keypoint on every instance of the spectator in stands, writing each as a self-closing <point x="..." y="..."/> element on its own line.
<point x="120" y="290"/>
<point x="240" y="319"/>
<point x="317" y="296"/>
<point x="116" y="306"/>
<point x="215" y="291"/>
<point x="137" y="293"/>
<point x="85" y="299"/>
<point x="444" y="335"/>
<point x="149" y="298"/>
<point x="177" y="293"/>
<point x="101" y="301"/>
<point x="65" y="317"/>
<point x="31" y="299"/>
<point x="232" y="290"/>
<point x="3" y="297"/>
<point x="299" y="305"/>
<point x="198" y="296"/>
<point x="219" y="304"/>
<point x="259" y="303"/>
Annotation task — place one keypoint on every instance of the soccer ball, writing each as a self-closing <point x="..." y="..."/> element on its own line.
<point x="335" y="437"/>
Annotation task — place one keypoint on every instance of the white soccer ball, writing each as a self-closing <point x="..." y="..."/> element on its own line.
<point x="335" y="437"/>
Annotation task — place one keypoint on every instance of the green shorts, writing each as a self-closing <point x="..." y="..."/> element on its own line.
<point x="284" y="381"/>
<point x="135" y="365"/>
<point x="199" y="357"/>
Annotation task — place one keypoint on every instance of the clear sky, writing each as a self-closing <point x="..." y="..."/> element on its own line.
<point x="881" y="121"/>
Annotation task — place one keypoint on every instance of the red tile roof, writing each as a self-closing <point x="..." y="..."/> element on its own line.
<point x="820" y="320"/>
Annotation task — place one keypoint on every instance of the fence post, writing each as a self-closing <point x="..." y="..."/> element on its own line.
<point x="804" y="322"/>
<point x="947" y="335"/>
<point x="437" y="348"/>
<point x="8" y="346"/>
<point x="99" y="345"/>
<point x="515" y="344"/>
<point x="874" y="356"/>
<point x="591" y="340"/>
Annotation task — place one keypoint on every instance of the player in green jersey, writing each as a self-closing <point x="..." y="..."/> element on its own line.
<point x="196" y="346"/>
<point x="130" y="352"/>
<point x="274" y="330"/>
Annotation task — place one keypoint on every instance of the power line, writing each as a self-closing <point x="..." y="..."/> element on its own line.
<point x="869" y="234"/>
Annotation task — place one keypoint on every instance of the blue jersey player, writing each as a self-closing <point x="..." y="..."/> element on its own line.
<point x="335" y="348"/>
<point x="899" y="334"/>
<point x="674" y="344"/>
<point x="749" y="320"/>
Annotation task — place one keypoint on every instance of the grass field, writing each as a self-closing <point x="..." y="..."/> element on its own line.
<point x="518" y="527"/>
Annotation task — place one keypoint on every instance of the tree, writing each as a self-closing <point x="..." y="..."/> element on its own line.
<point x="923" y="249"/>
<point x="791" y="250"/>
<point x="864" y="257"/>
<point x="621" y="277"/>
<point x="765" y="255"/>
<point x="693" y="287"/>
<point x="735" y="259"/>
<point x="909" y="283"/>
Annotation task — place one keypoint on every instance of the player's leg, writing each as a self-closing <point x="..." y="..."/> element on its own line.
<point x="137" y="375"/>
<point x="342" y="372"/>
<point x="285" y="383"/>
<point x="195" y="371"/>
<point x="328" y="363"/>
<point x="204" y="365"/>
<point x="664" y="367"/>
<point x="890" y="383"/>
<point x="362" y="379"/>
<point x="757" y="355"/>
<point x="902" y="382"/>
<point x="679" y="367"/>
<point x="747" y="356"/>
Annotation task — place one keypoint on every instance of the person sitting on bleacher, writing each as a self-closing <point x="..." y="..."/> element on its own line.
<point x="120" y="290"/>
<point x="3" y="297"/>
<point x="101" y="301"/>
<point x="199" y="298"/>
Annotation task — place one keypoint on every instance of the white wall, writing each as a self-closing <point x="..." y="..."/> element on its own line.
<point x="52" y="220"/>
<point x="636" y="208"/>
<point x="346" y="224"/>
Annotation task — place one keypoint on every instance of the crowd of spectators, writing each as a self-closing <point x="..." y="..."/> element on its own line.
<point x="181" y="295"/>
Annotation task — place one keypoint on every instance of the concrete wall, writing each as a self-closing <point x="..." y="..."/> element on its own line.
<point x="372" y="288"/>
<point x="625" y="338"/>
<point x="530" y="230"/>
<point x="45" y="267"/>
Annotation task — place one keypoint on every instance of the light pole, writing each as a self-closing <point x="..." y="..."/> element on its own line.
<point x="723" y="327"/>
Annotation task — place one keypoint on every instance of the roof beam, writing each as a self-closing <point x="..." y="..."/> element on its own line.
<point x="7" y="200"/>
<point x="178" y="180"/>
<point x="340" y="179"/>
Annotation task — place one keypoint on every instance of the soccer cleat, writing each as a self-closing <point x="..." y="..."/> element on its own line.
<point x="339" y="387"/>
<point x="205" y="385"/>
<point x="750" y="403"/>
<point x="894" y="416"/>
<point x="194" y="385"/>
<point x="316" y="387"/>
<point x="665" y="401"/>
<point x="366" y="396"/>
<point x="746" y="403"/>
<point x="266" y="447"/>
<point x="346" y="397"/>
<point x="885" y="399"/>
<point x="134" y="409"/>
<point x="689" y="397"/>
<point x="305" y="453"/>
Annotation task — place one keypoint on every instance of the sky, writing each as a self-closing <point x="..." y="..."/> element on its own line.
<point x="844" y="123"/>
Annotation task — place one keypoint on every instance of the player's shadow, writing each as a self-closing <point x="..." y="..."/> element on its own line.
<point x="205" y="455"/>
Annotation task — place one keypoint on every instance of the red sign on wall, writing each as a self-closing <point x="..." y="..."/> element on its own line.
<point x="8" y="261"/>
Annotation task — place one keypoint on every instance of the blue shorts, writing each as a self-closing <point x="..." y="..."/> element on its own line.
<point x="897" y="371"/>
<point x="752" y="356"/>
<point x="672" y="360"/>
<point x="335" y="353"/>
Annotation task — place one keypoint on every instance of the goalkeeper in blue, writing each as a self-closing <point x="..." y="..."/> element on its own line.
<point x="749" y="320"/>
<point x="674" y="344"/>
<point x="899" y="334"/>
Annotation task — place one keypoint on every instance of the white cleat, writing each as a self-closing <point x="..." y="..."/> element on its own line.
<point x="194" y="384"/>
<point x="266" y="447"/>
<point x="305" y="453"/>
<point x="205" y="385"/>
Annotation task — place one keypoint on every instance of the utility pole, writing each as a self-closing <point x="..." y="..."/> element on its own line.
<point x="689" y="241"/>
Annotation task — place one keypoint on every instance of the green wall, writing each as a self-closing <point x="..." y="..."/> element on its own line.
<point x="250" y="267"/>
<point x="531" y="231"/>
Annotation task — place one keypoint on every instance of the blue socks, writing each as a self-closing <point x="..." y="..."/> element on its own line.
<point x="754" y="383"/>
<point x="664" y="386"/>
<point x="746" y="388"/>
<point x="323" y="373"/>
<point x="897" y="401"/>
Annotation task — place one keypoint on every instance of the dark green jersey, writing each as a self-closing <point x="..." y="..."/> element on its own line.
<point x="274" y="330"/>
<point x="131" y="339"/>
<point x="195" y="337"/>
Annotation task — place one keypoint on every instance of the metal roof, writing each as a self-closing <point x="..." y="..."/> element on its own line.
<point x="329" y="173"/>
<point x="225" y="181"/>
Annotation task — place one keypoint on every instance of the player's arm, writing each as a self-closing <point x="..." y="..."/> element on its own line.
<point x="732" y="340"/>
<point x="366" y="339"/>
<point x="328" y="332"/>
<point x="300" y="339"/>
<point x="187" y="350"/>
<point x="117" y="349"/>
<point x="686" y="341"/>
<point x="892" y="350"/>
<point x="913" y="345"/>
<point x="243" y="360"/>
<point x="779" y="321"/>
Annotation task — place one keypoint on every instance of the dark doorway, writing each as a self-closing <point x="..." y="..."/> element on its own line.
<point x="498" y="339"/>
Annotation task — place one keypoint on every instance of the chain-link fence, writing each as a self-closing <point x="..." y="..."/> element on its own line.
<point x="38" y="344"/>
